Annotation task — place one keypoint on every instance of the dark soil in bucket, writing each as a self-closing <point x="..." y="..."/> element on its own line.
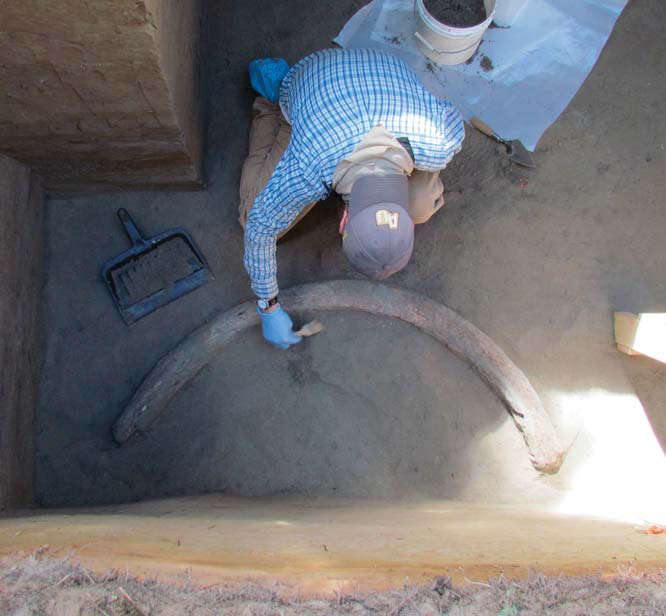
<point x="458" y="13"/>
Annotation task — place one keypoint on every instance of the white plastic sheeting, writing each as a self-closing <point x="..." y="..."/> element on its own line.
<point x="506" y="11"/>
<point x="538" y="64"/>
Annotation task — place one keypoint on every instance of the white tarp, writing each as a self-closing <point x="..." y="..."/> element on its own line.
<point x="538" y="63"/>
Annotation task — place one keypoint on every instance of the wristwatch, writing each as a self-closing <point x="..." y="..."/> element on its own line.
<point x="265" y="304"/>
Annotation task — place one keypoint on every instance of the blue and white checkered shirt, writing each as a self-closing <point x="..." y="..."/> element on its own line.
<point x="332" y="99"/>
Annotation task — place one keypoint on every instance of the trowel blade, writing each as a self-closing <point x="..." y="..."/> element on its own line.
<point x="519" y="154"/>
<point x="310" y="329"/>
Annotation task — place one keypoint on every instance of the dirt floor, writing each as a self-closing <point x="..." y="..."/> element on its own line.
<point x="457" y="13"/>
<point x="536" y="259"/>
<point x="33" y="585"/>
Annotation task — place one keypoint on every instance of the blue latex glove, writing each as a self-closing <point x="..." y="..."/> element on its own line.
<point x="266" y="75"/>
<point x="277" y="328"/>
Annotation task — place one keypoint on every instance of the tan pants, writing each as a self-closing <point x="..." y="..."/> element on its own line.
<point x="269" y="137"/>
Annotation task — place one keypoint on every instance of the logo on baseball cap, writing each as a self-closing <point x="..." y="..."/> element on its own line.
<point x="379" y="234"/>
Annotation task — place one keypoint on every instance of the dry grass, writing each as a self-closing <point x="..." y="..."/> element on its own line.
<point x="35" y="585"/>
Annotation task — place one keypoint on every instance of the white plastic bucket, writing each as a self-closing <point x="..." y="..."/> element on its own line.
<point x="447" y="44"/>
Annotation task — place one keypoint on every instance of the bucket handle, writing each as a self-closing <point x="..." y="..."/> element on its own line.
<point x="441" y="52"/>
<point x="426" y="43"/>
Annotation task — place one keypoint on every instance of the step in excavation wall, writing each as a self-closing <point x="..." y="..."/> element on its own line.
<point x="329" y="546"/>
<point x="104" y="94"/>
<point x="21" y="277"/>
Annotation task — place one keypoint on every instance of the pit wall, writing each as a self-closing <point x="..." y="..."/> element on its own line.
<point x="21" y="279"/>
<point x="178" y="37"/>
<point x="102" y="95"/>
<point x="329" y="546"/>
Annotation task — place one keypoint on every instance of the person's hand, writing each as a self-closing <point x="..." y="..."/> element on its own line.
<point x="276" y="326"/>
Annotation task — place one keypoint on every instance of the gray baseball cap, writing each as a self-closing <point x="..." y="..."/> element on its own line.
<point x="378" y="238"/>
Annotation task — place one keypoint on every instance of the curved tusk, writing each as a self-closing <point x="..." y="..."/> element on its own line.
<point x="179" y="366"/>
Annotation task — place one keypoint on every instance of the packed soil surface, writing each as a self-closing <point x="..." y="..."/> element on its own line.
<point x="461" y="13"/>
<point x="36" y="586"/>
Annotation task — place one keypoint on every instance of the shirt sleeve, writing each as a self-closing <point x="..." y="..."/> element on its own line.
<point x="275" y="208"/>
<point x="454" y="133"/>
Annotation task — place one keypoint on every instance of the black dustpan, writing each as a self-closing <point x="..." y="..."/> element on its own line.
<point x="154" y="271"/>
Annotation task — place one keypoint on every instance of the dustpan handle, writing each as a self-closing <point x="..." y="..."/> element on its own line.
<point x="130" y="227"/>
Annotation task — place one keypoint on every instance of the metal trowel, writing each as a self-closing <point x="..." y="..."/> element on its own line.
<point x="515" y="150"/>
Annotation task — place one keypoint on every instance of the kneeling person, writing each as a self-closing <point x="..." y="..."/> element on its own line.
<point x="357" y="122"/>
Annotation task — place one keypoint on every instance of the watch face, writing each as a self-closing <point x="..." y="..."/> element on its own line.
<point x="264" y="304"/>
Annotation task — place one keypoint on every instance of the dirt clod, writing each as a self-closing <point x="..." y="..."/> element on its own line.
<point x="461" y="13"/>
<point x="487" y="64"/>
<point x="442" y="585"/>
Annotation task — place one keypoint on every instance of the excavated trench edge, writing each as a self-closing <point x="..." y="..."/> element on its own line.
<point x="203" y="345"/>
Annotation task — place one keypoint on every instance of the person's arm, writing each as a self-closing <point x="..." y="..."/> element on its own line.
<point x="454" y="133"/>
<point x="275" y="208"/>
